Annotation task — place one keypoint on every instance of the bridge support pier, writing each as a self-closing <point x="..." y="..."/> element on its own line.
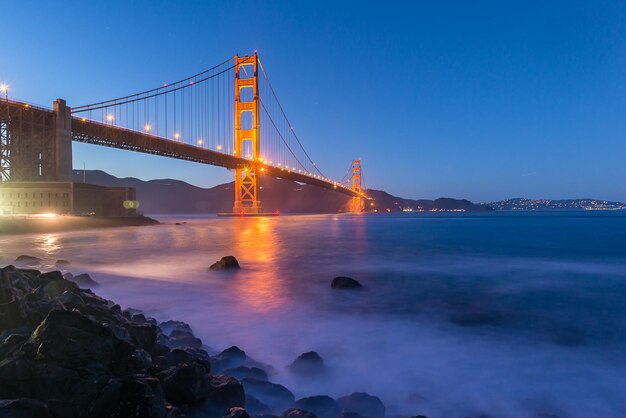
<point x="247" y="135"/>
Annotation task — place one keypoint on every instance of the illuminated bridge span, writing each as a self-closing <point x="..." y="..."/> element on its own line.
<point x="228" y="116"/>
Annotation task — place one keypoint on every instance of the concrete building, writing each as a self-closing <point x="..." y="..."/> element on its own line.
<point x="36" y="167"/>
<point x="31" y="198"/>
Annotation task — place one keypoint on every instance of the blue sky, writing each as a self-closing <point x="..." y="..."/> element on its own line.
<point x="481" y="100"/>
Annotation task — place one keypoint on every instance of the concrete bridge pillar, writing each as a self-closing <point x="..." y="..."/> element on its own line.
<point x="63" y="140"/>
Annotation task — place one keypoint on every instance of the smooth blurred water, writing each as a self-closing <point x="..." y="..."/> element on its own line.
<point x="502" y="314"/>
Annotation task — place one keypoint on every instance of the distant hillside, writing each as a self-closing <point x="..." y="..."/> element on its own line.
<point x="173" y="196"/>
<point x="549" y="204"/>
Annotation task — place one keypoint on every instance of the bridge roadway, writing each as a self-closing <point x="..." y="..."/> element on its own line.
<point x="91" y="132"/>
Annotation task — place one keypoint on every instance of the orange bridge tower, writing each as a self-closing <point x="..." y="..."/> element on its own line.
<point x="358" y="203"/>
<point x="247" y="134"/>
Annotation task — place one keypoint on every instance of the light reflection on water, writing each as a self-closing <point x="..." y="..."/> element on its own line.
<point x="462" y="314"/>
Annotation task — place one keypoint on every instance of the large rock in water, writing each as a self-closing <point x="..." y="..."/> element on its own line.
<point x="322" y="406"/>
<point x="226" y="263"/>
<point x="307" y="364"/>
<point x="363" y="404"/>
<point x="276" y="396"/>
<point x="342" y="282"/>
<point x="28" y="260"/>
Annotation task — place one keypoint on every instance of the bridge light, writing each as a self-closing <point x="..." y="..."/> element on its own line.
<point x="110" y="117"/>
<point x="199" y="142"/>
<point x="262" y="169"/>
<point x="4" y="88"/>
<point x="176" y="135"/>
<point x="147" y="127"/>
<point x="83" y="119"/>
<point x="219" y="147"/>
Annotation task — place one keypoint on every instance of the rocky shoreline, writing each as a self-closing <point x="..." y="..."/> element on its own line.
<point x="66" y="352"/>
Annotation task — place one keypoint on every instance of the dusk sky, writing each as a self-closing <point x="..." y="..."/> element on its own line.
<point x="480" y="100"/>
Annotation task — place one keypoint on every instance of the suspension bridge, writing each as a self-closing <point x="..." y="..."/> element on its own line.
<point x="228" y="115"/>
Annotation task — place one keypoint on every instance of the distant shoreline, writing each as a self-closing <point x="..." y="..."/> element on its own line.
<point x="31" y="225"/>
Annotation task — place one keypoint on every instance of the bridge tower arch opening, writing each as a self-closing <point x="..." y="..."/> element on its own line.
<point x="247" y="142"/>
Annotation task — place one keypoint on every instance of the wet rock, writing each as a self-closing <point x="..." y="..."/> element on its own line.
<point x="255" y="406"/>
<point x="342" y="282"/>
<point x="297" y="413"/>
<point x="362" y="404"/>
<point x="92" y="344"/>
<point x="237" y="412"/>
<point x="28" y="260"/>
<point x="142" y="360"/>
<point x="225" y="263"/>
<point x="307" y="364"/>
<point x="181" y="339"/>
<point x="142" y="335"/>
<point x="229" y="358"/>
<point x="185" y="384"/>
<point x="169" y="326"/>
<point x="138" y="398"/>
<point x="24" y="408"/>
<point x="276" y="396"/>
<point x="62" y="264"/>
<point x="84" y="281"/>
<point x="322" y="406"/>
<point x="184" y="356"/>
<point x="225" y="393"/>
<point x="243" y="372"/>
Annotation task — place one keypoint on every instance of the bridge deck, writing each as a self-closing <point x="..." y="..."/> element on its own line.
<point x="91" y="132"/>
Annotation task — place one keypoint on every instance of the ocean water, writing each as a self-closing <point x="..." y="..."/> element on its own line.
<point x="500" y="314"/>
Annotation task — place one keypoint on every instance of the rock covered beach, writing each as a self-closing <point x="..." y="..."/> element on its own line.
<point x="66" y="352"/>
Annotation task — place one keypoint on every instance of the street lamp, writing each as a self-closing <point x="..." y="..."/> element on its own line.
<point x="4" y="88"/>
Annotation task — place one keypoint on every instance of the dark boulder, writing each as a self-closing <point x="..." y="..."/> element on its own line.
<point x="322" y="406"/>
<point x="307" y="364"/>
<point x="185" y="384"/>
<point x="243" y="372"/>
<point x="180" y="339"/>
<point x="225" y="393"/>
<point x="24" y="408"/>
<point x="92" y="344"/>
<point x="229" y="358"/>
<point x="255" y="406"/>
<point x="237" y="412"/>
<point x="276" y="396"/>
<point x="84" y="281"/>
<point x="142" y="360"/>
<point x="363" y="404"/>
<point x="297" y="413"/>
<point x="28" y="260"/>
<point x="342" y="282"/>
<point x="184" y="356"/>
<point x="142" y="335"/>
<point x="139" y="397"/>
<point x="225" y="263"/>
<point x="169" y="326"/>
